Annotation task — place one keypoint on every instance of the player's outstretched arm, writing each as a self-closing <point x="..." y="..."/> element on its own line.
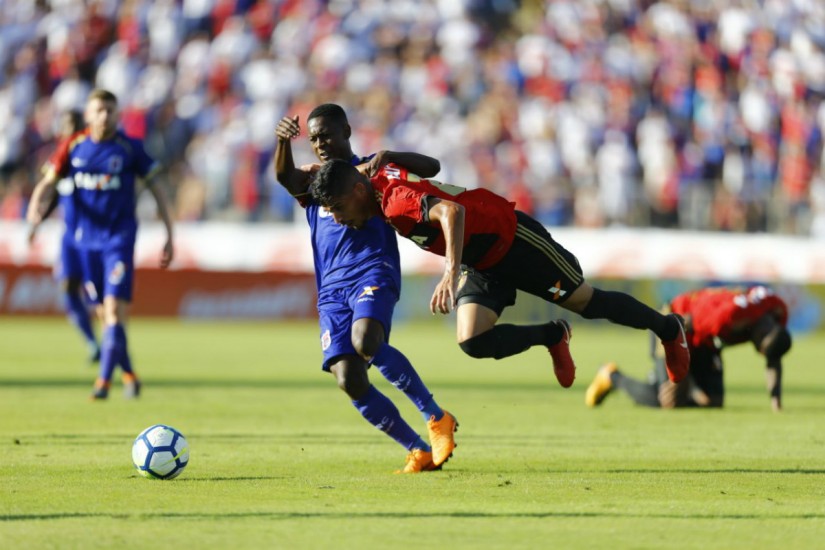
<point x="53" y="200"/>
<point x="294" y="180"/>
<point x="163" y="211"/>
<point x="450" y="215"/>
<point x="418" y="164"/>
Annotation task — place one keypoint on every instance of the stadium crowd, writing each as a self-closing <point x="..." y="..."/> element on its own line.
<point x="683" y="113"/>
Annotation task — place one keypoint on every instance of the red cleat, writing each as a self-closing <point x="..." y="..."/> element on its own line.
<point x="677" y="354"/>
<point x="563" y="365"/>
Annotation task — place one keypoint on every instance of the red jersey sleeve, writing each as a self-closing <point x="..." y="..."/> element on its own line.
<point x="59" y="161"/>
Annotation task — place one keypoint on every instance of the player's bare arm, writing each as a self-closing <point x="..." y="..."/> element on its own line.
<point x="450" y="215"/>
<point x="52" y="198"/>
<point x="46" y="186"/>
<point x="421" y="165"/>
<point x="168" y="252"/>
<point x="294" y="180"/>
<point x="773" y="377"/>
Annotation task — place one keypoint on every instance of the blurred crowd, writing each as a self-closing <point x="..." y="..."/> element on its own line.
<point x="696" y="114"/>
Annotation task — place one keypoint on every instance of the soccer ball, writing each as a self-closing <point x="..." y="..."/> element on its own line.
<point x="160" y="452"/>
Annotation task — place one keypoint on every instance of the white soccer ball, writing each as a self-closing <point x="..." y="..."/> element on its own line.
<point x="160" y="452"/>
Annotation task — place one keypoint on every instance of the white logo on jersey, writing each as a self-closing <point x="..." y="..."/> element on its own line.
<point x="78" y="163"/>
<point x="326" y="340"/>
<point x="323" y="213"/>
<point x="96" y="182"/>
<point x="115" y="164"/>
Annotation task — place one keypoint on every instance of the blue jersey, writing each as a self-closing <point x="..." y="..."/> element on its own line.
<point x="343" y="255"/>
<point x="103" y="173"/>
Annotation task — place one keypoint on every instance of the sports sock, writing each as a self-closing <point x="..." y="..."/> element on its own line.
<point x="505" y="340"/>
<point x="78" y="314"/>
<point x="124" y="361"/>
<point x="624" y="309"/>
<point x="642" y="393"/>
<point x="398" y="370"/>
<point x="108" y="353"/>
<point x="379" y="411"/>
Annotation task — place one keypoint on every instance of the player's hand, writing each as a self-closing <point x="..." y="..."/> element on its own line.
<point x="375" y="164"/>
<point x="167" y="255"/>
<point x="288" y="128"/>
<point x="443" y="300"/>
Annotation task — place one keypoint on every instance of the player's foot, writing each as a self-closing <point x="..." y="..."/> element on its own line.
<point x="677" y="355"/>
<point x="418" y="461"/>
<point x="441" y="437"/>
<point x="101" y="390"/>
<point x="131" y="386"/>
<point x="600" y="386"/>
<point x="563" y="365"/>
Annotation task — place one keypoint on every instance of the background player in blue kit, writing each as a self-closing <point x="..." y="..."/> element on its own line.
<point x="68" y="270"/>
<point x="359" y="280"/>
<point x="104" y="164"/>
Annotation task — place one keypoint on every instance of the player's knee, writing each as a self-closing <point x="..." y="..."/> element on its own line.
<point x="777" y="344"/>
<point x="367" y="338"/>
<point x="479" y="346"/>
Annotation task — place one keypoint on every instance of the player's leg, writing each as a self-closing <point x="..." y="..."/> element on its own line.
<point x="706" y="386"/>
<point x="350" y="371"/>
<point x="70" y="274"/>
<point x="369" y="341"/>
<point x="481" y="299"/>
<point x="552" y="262"/>
<point x="117" y="288"/>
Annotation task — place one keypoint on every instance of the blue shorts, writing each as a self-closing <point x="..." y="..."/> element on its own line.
<point x="69" y="265"/>
<point x="373" y="297"/>
<point x="109" y="272"/>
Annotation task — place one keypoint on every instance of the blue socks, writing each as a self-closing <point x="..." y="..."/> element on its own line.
<point x="398" y="370"/>
<point x="78" y="314"/>
<point x="114" y="352"/>
<point x="379" y="411"/>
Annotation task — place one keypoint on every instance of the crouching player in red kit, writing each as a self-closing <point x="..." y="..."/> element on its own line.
<point x="715" y="318"/>
<point x="104" y="164"/>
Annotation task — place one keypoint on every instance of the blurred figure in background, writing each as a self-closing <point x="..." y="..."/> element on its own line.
<point x="68" y="270"/>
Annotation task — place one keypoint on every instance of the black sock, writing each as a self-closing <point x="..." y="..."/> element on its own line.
<point x="624" y="309"/>
<point x="641" y="393"/>
<point x="505" y="340"/>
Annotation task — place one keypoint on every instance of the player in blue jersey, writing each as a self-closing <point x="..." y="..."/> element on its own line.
<point x="104" y="164"/>
<point x="359" y="280"/>
<point x="67" y="270"/>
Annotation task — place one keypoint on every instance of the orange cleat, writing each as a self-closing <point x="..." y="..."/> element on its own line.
<point x="677" y="354"/>
<point x="563" y="365"/>
<point x="418" y="461"/>
<point x="600" y="386"/>
<point x="441" y="437"/>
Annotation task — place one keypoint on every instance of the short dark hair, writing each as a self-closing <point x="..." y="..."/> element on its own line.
<point x="330" y="111"/>
<point x="334" y="179"/>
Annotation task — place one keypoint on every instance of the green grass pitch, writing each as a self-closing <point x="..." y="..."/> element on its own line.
<point x="280" y="459"/>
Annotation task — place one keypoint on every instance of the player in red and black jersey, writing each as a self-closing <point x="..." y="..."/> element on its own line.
<point x="715" y="318"/>
<point x="496" y="250"/>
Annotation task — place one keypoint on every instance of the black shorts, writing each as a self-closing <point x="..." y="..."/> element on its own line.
<point x="535" y="263"/>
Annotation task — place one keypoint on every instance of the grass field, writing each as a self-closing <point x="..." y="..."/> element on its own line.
<point x="280" y="459"/>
